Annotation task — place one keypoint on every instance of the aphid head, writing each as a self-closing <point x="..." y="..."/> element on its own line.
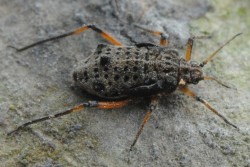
<point x="190" y="73"/>
<point x="196" y="73"/>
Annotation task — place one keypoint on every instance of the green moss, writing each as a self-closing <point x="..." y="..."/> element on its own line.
<point x="12" y="107"/>
<point x="242" y="11"/>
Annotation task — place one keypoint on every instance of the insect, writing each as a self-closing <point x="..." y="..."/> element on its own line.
<point x="119" y="74"/>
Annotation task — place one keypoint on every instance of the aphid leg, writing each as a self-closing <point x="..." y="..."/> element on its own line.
<point x="192" y="94"/>
<point x="164" y="38"/>
<point x="189" y="46"/>
<point x="152" y="106"/>
<point x="189" y="49"/>
<point x="77" y="31"/>
<point x="96" y="104"/>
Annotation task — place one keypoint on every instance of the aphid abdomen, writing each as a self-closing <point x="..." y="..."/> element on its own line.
<point x="119" y="72"/>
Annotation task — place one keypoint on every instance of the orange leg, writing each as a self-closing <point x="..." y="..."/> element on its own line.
<point x="190" y="93"/>
<point x="189" y="49"/>
<point x="190" y="43"/>
<point x="164" y="41"/>
<point x="77" y="31"/>
<point x="152" y="106"/>
<point x="96" y="104"/>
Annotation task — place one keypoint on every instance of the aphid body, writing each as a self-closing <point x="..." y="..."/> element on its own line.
<point x="116" y="72"/>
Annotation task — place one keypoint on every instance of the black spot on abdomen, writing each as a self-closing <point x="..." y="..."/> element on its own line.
<point x="98" y="87"/>
<point x="145" y="68"/>
<point x="104" y="60"/>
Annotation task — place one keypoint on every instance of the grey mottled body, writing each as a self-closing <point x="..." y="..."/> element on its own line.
<point x="115" y="72"/>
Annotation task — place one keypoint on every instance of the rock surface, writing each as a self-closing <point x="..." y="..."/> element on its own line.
<point x="181" y="132"/>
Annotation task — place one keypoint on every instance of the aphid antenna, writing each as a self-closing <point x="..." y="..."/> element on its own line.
<point x="216" y="51"/>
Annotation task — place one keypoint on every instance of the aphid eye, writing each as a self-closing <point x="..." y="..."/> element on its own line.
<point x="197" y="72"/>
